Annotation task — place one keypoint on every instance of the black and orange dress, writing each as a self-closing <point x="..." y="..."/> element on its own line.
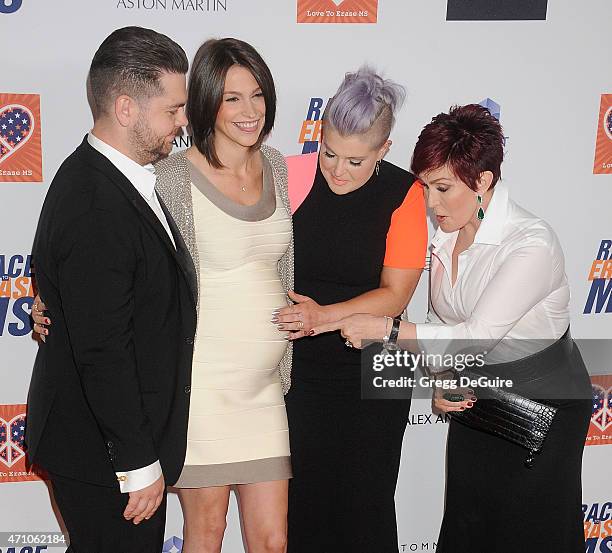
<point x="345" y="451"/>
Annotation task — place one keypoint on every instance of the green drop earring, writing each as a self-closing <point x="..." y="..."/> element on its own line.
<point x="480" y="213"/>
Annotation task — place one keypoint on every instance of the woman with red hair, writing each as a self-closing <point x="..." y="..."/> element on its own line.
<point x="497" y="287"/>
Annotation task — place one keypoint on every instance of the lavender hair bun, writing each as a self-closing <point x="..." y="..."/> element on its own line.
<point x="365" y="101"/>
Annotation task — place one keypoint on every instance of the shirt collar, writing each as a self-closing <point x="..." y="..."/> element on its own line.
<point x="491" y="228"/>
<point x="142" y="177"/>
<point x="440" y="238"/>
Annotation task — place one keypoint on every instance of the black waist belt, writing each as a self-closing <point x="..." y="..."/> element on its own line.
<point x="510" y="412"/>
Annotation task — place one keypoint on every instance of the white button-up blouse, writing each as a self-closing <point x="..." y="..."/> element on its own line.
<point x="511" y="284"/>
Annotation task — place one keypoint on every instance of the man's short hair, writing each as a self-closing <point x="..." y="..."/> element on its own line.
<point x="130" y="61"/>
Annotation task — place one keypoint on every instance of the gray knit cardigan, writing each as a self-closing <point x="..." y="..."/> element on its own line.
<point x="174" y="187"/>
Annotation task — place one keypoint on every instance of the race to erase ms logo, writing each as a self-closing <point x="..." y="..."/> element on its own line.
<point x="310" y="133"/>
<point x="173" y="545"/>
<point x="600" y="275"/>
<point x="600" y="428"/>
<point x="597" y="518"/>
<point x="20" y="146"/>
<point x="16" y="294"/>
<point x="493" y="107"/>
<point x="496" y="10"/>
<point x="603" y="146"/>
<point x="12" y="447"/>
<point x="337" y="11"/>
<point x="10" y="6"/>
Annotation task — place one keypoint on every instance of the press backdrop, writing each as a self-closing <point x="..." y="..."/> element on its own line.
<point x="544" y="70"/>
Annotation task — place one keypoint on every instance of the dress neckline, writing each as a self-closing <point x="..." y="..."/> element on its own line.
<point x="259" y="211"/>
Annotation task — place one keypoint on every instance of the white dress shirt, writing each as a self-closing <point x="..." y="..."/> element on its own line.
<point x="143" y="179"/>
<point x="510" y="284"/>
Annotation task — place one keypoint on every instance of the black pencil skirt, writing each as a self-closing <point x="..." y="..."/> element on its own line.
<point x="494" y="503"/>
<point x="345" y="453"/>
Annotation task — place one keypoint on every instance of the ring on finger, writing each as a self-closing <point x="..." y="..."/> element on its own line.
<point x="348" y="344"/>
<point x="300" y="324"/>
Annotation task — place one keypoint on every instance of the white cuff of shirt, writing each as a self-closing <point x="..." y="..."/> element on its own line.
<point x="433" y="337"/>
<point x="138" y="479"/>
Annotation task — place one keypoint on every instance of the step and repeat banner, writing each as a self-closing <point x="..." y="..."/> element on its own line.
<point x="543" y="68"/>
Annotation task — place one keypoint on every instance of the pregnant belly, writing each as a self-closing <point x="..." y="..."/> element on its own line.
<point x="235" y="320"/>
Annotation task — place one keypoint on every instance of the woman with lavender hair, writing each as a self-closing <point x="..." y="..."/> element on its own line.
<point x="360" y="242"/>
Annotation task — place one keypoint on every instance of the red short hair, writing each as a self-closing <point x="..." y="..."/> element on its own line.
<point x="467" y="138"/>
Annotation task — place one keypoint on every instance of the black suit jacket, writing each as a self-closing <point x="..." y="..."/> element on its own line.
<point x="110" y="388"/>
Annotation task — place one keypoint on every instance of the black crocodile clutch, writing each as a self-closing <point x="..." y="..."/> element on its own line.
<point x="521" y="420"/>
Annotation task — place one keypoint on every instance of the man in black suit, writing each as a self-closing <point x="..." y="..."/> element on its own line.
<point x="109" y="398"/>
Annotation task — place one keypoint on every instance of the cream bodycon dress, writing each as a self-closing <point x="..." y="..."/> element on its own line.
<point x="238" y="430"/>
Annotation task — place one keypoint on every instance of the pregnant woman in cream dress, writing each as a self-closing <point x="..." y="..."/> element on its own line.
<point x="237" y="421"/>
<point x="228" y="195"/>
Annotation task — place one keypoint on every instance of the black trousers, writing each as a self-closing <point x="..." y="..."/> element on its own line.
<point x="94" y="518"/>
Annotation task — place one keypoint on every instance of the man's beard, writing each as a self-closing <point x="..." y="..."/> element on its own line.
<point x="147" y="147"/>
